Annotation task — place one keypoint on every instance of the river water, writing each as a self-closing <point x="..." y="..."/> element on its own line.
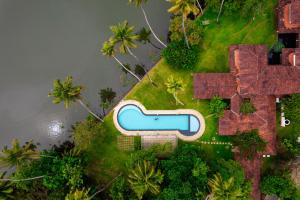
<point x="41" y="40"/>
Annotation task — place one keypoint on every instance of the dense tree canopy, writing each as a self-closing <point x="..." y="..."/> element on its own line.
<point x="249" y="143"/>
<point x="180" y="57"/>
<point x="184" y="172"/>
<point x="279" y="185"/>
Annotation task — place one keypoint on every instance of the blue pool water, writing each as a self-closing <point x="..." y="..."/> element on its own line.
<point x="131" y="118"/>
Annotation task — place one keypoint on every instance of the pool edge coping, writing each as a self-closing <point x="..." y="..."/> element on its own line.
<point x="153" y="112"/>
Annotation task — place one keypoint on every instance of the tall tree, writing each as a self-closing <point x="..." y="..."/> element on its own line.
<point x="144" y="178"/>
<point x="107" y="97"/>
<point x="18" y="155"/>
<point x="174" y="86"/>
<point x="108" y="49"/>
<point x="224" y="189"/>
<point x="139" y="3"/>
<point x="124" y="36"/>
<point x="183" y="8"/>
<point x="144" y="37"/>
<point x="66" y="92"/>
<point x="6" y="189"/>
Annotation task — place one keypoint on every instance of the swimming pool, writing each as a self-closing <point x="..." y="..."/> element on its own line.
<point x="131" y="118"/>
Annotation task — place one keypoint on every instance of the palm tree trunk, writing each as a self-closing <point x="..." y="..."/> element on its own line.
<point x="126" y="68"/>
<point x="18" y="180"/>
<point x="199" y="5"/>
<point x="177" y="100"/>
<point x="132" y="54"/>
<point x="220" y="10"/>
<point x="185" y="36"/>
<point x="88" y="109"/>
<point x="105" y="187"/>
<point x="153" y="33"/>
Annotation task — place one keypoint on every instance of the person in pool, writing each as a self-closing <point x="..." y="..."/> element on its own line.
<point x="156" y="118"/>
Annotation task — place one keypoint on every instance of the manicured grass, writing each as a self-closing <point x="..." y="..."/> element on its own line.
<point x="107" y="160"/>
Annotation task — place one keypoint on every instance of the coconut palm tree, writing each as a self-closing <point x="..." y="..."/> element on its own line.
<point x="139" y="3"/>
<point x="107" y="97"/>
<point x="66" y="92"/>
<point x="144" y="37"/>
<point x="6" y="189"/>
<point x="18" y="154"/>
<point x="108" y="49"/>
<point x="174" y="86"/>
<point x="144" y="178"/>
<point x="224" y="190"/>
<point x="183" y="8"/>
<point x="221" y="7"/>
<point x="124" y="36"/>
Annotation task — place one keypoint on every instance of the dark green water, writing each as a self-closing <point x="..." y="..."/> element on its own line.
<point x="41" y="40"/>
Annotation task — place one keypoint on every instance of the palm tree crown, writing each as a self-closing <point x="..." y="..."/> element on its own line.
<point x="18" y="155"/>
<point x="224" y="190"/>
<point x="145" y="178"/>
<point x="108" y="48"/>
<point x="174" y="86"/>
<point x="65" y="92"/>
<point x="124" y="35"/>
<point x="183" y="7"/>
<point x="6" y="188"/>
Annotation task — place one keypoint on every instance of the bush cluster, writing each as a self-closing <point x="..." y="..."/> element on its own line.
<point x="247" y="107"/>
<point x="179" y="56"/>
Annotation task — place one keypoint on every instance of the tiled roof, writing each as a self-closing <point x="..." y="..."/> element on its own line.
<point x="211" y="84"/>
<point x="295" y="12"/>
<point x="288" y="16"/>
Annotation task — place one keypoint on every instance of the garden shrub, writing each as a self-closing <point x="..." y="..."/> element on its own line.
<point x="179" y="56"/>
<point x="247" y="107"/>
<point x="217" y="106"/>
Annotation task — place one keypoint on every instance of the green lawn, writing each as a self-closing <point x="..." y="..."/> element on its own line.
<point x="107" y="160"/>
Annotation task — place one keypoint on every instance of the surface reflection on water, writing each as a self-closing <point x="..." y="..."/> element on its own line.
<point x="55" y="129"/>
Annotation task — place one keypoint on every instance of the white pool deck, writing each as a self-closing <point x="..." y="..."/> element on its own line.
<point x="154" y="112"/>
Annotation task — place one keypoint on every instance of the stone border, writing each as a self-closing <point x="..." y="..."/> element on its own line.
<point x="154" y="112"/>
